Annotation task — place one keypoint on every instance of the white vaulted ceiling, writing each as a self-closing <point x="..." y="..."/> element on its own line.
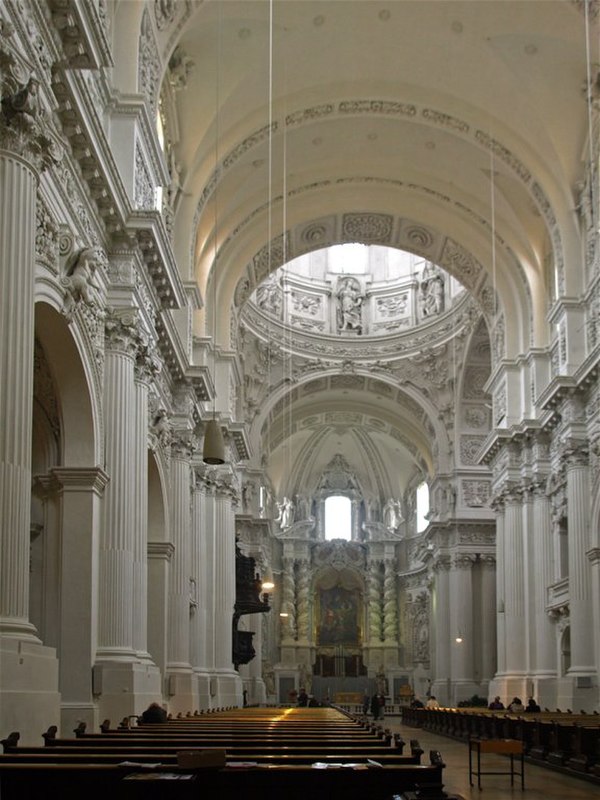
<point x="381" y="122"/>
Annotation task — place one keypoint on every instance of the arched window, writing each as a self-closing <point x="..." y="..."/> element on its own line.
<point x="422" y="506"/>
<point x="338" y="517"/>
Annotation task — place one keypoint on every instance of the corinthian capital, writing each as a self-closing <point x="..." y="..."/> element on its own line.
<point x="121" y="333"/>
<point x="25" y="128"/>
<point x="575" y="453"/>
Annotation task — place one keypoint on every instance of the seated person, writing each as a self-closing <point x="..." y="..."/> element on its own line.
<point x="416" y="703"/>
<point x="302" y="698"/>
<point x="496" y="704"/>
<point x="532" y="707"/>
<point x="432" y="703"/>
<point x="516" y="706"/>
<point x="154" y="713"/>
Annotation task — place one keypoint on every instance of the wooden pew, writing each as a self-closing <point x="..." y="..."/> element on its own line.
<point x="66" y="768"/>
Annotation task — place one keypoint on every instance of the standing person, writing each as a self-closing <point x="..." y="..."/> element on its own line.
<point x="366" y="703"/>
<point x="375" y="706"/>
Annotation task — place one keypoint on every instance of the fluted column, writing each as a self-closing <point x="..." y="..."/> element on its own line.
<point x="390" y="602"/>
<point x="544" y="665"/>
<point x="499" y="508"/>
<point x="17" y="241"/>
<point x="115" y="623"/>
<point x="303" y="586"/>
<point x="145" y="368"/>
<point x="487" y="605"/>
<point x="179" y="588"/>
<point x="578" y="499"/>
<point x="375" y="603"/>
<point x="201" y="573"/>
<point x="461" y="623"/>
<point x="28" y="670"/>
<point x="514" y="599"/>
<point x="441" y="625"/>
<point x="229" y="682"/>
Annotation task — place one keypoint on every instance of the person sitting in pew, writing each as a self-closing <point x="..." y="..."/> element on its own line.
<point x="516" y="707"/>
<point x="154" y="713"/>
<point x="496" y="704"/>
<point x="532" y="707"/>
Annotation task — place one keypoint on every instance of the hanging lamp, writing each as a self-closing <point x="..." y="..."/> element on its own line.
<point x="214" y="445"/>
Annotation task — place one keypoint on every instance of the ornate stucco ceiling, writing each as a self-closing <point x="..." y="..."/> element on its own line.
<point x="452" y="129"/>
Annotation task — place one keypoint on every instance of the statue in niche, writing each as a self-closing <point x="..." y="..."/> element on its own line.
<point x="349" y="310"/>
<point x="431" y="294"/>
<point x="285" y="517"/>
<point x="248" y="495"/>
<point x="302" y="507"/>
<point x="392" y="514"/>
<point x="370" y="509"/>
<point x="268" y="295"/>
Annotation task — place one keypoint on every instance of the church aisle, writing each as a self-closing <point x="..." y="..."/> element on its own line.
<point x="539" y="782"/>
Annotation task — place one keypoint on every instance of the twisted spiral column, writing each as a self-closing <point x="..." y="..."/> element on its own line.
<point x="375" y="602"/>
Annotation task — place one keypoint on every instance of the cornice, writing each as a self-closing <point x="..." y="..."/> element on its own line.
<point x="82" y="33"/>
<point x="90" y="148"/>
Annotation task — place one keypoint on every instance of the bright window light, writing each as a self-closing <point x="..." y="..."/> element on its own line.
<point x="422" y="506"/>
<point x="349" y="258"/>
<point x="338" y="517"/>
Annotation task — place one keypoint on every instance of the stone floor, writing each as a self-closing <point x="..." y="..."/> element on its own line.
<point x="539" y="782"/>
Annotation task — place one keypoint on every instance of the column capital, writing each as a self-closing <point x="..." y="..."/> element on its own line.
<point x="183" y="444"/>
<point x="26" y="130"/>
<point x="121" y="332"/>
<point x="442" y="563"/>
<point x="575" y="453"/>
<point x="463" y="560"/>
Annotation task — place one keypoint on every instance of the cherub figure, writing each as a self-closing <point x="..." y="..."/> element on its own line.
<point x="79" y="280"/>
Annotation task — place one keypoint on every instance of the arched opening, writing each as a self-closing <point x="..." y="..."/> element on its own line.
<point x="338" y="517"/>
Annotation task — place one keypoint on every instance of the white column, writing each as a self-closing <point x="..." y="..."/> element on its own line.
<point x="115" y="623"/>
<point x="144" y="368"/>
<point x="79" y="495"/>
<point x="229" y="682"/>
<point x="159" y="561"/>
<point x="441" y="624"/>
<point x="461" y="626"/>
<point x="28" y="671"/>
<point x="488" y="618"/>
<point x="499" y="508"/>
<point x="181" y="689"/>
<point x="581" y="607"/>
<point x="542" y="575"/>
<point x="514" y="598"/>
<point x="204" y="590"/>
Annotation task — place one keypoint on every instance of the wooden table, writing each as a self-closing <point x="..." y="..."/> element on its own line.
<point x="505" y="747"/>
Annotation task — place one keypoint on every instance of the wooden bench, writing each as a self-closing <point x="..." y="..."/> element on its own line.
<point x="91" y="763"/>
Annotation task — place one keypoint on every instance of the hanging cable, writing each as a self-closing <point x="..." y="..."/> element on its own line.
<point x="214" y="445"/>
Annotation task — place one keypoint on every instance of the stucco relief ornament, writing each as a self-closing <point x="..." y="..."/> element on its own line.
<point x="78" y="281"/>
<point x="25" y="128"/>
